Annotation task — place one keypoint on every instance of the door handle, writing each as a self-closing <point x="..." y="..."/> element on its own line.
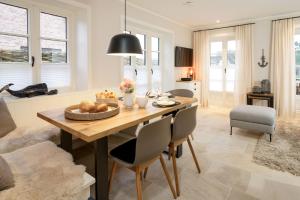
<point x="135" y="72"/>
<point x="225" y="70"/>
<point x="32" y="61"/>
<point x="151" y="71"/>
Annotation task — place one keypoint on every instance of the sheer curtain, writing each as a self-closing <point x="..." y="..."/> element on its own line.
<point x="201" y="63"/>
<point x="244" y="63"/>
<point x="283" y="67"/>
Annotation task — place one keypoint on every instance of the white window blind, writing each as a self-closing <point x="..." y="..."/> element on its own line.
<point x="14" y="46"/>
<point x="55" y="69"/>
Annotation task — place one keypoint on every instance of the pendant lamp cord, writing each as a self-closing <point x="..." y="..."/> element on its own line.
<point x="125" y="15"/>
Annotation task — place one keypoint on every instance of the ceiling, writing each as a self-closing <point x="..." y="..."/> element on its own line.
<point x="207" y="12"/>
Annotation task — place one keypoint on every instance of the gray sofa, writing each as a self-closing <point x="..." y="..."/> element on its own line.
<point x="255" y="118"/>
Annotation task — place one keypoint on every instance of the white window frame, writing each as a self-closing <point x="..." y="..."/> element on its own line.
<point x="34" y="39"/>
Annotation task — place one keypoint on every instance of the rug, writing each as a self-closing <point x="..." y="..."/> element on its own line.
<point x="283" y="153"/>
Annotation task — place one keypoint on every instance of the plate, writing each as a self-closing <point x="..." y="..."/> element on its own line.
<point x="165" y="103"/>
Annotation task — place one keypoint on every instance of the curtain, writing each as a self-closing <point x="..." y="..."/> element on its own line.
<point x="201" y="63"/>
<point x="283" y="77"/>
<point x="244" y="63"/>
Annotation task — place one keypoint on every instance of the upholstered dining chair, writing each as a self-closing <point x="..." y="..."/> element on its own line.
<point x="183" y="125"/>
<point x="182" y="93"/>
<point x="140" y="152"/>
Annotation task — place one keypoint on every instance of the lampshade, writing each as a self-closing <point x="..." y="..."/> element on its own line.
<point x="124" y="45"/>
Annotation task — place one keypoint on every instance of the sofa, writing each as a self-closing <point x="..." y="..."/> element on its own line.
<point x="30" y="149"/>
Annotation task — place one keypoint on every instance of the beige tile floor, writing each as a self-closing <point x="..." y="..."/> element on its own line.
<point x="228" y="172"/>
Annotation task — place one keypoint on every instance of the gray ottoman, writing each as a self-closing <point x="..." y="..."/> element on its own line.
<point x="256" y="118"/>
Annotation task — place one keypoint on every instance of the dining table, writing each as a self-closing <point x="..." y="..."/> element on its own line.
<point x="98" y="131"/>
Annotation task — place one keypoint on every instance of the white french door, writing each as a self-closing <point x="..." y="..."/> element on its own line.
<point x="222" y="71"/>
<point x="145" y="69"/>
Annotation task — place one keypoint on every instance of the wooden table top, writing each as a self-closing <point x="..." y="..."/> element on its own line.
<point x="90" y="131"/>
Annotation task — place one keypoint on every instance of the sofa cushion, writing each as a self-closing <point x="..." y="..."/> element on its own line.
<point x="7" y="123"/>
<point x="6" y="176"/>
<point x="254" y="114"/>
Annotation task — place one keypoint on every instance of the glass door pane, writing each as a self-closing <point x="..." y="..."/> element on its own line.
<point x="141" y="68"/>
<point x="216" y="67"/>
<point x="230" y="69"/>
<point x="155" y="64"/>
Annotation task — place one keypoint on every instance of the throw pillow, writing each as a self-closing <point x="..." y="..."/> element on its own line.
<point x="7" y="123"/>
<point x="6" y="176"/>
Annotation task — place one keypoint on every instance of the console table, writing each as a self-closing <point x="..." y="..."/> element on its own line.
<point x="261" y="96"/>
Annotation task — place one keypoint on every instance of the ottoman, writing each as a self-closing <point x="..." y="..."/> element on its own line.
<point x="255" y="118"/>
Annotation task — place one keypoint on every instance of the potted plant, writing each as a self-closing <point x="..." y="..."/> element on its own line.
<point x="127" y="88"/>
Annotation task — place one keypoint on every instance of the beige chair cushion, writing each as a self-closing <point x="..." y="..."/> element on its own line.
<point x="7" y="123"/>
<point x="6" y="176"/>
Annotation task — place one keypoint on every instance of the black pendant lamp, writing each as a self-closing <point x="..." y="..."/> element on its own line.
<point x="124" y="44"/>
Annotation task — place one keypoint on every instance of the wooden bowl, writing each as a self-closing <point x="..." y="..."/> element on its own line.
<point x="73" y="113"/>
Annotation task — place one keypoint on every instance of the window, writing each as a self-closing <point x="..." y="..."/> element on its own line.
<point x="29" y="55"/>
<point x="222" y="65"/>
<point x="145" y="69"/>
<point x="14" y="46"/>
<point x="297" y="56"/>
<point x="55" y="70"/>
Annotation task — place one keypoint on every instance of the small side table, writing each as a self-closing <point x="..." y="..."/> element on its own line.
<point x="261" y="96"/>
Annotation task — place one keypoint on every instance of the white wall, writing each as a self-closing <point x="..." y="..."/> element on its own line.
<point x="262" y="40"/>
<point x="107" y="18"/>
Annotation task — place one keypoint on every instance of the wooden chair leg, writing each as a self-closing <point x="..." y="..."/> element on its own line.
<point x="145" y="172"/>
<point x="194" y="156"/>
<point x="162" y="162"/>
<point x="172" y="149"/>
<point x="138" y="183"/>
<point x="113" y="171"/>
<point x="192" y="136"/>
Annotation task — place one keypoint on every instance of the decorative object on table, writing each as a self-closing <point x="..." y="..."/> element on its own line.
<point x="298" y="89"/>
<point x="106" y="97"/>
<point x="190" y="73"/>
<point x="29" y="91"/>
<point x="260" y="96"/>
<point x="263" y="62"/>
<point x="127" y="87"/>
<point x="88" y="111"/>
<point x="141" y="101"/>
<point x="124" y="44"/>
<point x="256" y="89"/>
<point x="265" y="86"/>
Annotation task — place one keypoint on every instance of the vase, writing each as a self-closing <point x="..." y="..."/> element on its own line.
<point x="128" y="100"/>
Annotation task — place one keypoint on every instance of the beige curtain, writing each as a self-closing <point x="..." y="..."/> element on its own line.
<point x="283" y="67"/>
<point x="244" y="63"/>
<point x="201" y="63"/>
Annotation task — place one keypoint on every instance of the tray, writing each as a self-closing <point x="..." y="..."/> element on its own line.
<point x="73" y="113"/>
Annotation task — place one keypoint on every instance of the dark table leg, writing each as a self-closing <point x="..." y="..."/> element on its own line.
<point x="272" y="102"/>
<point x="101" y="169"/>
<point x="66" y="141"/>
<point x="179" y="151"/>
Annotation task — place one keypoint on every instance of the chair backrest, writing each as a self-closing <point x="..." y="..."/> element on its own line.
<point x="184" y="123"/>
<point x="182" y="93"/>
<point x="153" y="139"/>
